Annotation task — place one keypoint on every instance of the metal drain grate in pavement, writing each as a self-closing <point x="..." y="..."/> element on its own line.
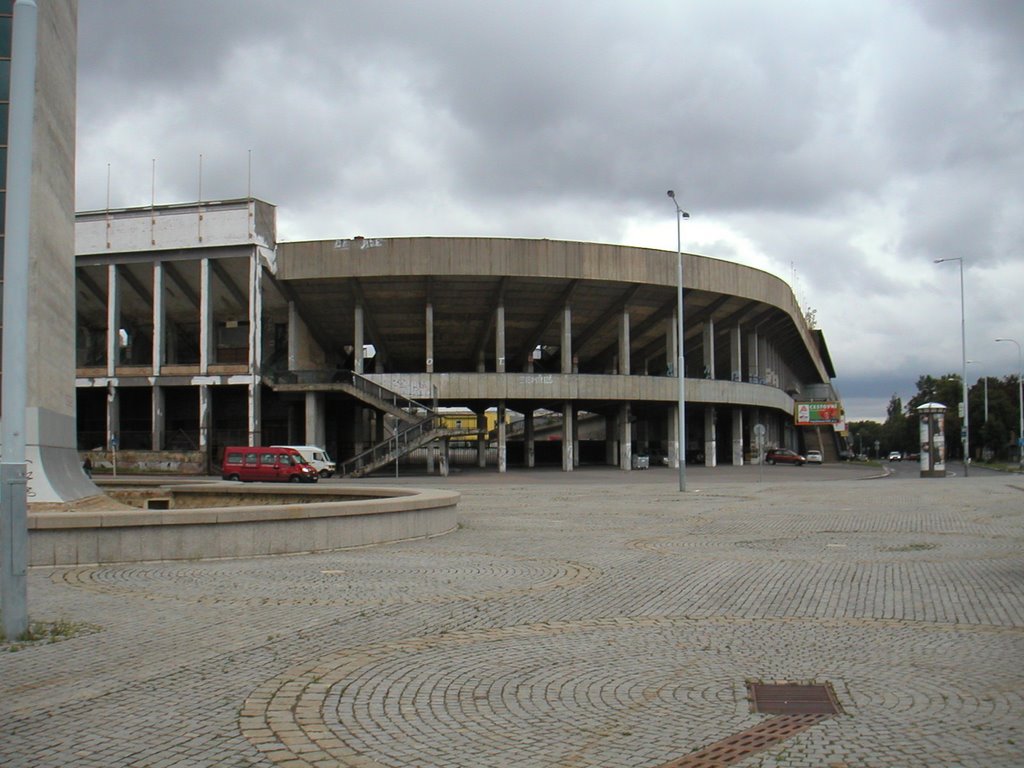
<point x="733" y="749"/>
<point x="793" y="699"/>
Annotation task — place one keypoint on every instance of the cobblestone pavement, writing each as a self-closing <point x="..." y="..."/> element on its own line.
<point x="572" y="620"/>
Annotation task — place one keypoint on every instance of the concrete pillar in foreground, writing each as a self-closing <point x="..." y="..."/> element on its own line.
<point x="502" y="448"/>
<point x="625" y="439"/>
<point x="567" y="452"/>
<point x="737" y="437"/>
<point x="50" y="428"/>
<point x="673" y="436"/>
<point x="159" y="423"/>
<point x="205" y="418"/>
<point x="481" y="439"/>
<point x="710" y="436"/>
<point x="316" y="419"/>
<point x="529" y="440"/>
<point x="575" y="438"/>
<point x="113" y="416"/>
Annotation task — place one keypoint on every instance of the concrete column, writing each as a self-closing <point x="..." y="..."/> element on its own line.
<point x="206" y="317"/>
<point x="205" y="419"/>
<point x="254" y="395"/>
<point x="502" y="435"/>
<point x="762" y="359"/>
<point x="499" y="339"/>
<point x="625" y="439"/>
<point x="624" y="369"/>
<point x="709" y="348"/>
<point x="159" y="318"/>
<point x="446" y="456"/>
<point x="673" y="436"/>
<point x="113" y="416"/>
<point x="316" y="423"/>
<point x="736" y="353"/>
<point x="529" y="440"/>
<point x="568" y="461"/>
<point x="357" y="340"/>
<point x="710" y="436"/>
<point x="611" y="440"/>
<point x="158" y="418"/>
<point x="113" y="321"/>
<point x="481" y="442"/>
<point x="255" y="415"/>
<point x="752" y="357"/>
<point x="575" y="438"/>
<point x="566" y="339"/>
<point x="737" y="437"/>
<point x="671" y="354"/>
<point x="429" y="341"/>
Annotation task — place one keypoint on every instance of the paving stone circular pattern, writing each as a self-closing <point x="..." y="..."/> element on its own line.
<point x="639" y="692"/>
<point x="371" y="577"/>
<point x="841" y="545"/>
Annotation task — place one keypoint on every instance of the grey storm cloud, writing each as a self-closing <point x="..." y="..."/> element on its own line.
<point x="849" y="144"/>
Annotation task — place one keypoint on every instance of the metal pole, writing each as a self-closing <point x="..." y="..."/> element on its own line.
<point x="680" y="362"/>
<point x="13" y="480"/>
<point x="963" y="354"/>
<point x="1020" y="404"/>
<point x="965" y="438"/>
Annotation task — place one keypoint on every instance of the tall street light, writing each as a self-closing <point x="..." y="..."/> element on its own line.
<point x="680" y="368"/>
<point x="1020" y="406"/>
<point x="965" y="438"/>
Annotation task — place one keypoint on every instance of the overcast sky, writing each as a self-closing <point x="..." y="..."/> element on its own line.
<point x="841" y="145"/>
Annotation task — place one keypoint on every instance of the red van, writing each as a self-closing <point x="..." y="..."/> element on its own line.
<point x="253" y="464"/>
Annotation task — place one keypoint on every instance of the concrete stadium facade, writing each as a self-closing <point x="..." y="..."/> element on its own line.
<point x="197" y="329"/>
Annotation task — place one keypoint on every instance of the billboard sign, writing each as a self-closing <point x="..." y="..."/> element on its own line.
<point x="815" y="414"/>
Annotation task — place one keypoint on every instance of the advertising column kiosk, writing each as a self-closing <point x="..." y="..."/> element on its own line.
<point x="933" y="439"/>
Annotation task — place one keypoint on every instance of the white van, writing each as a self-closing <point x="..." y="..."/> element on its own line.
<point x="317" y="457"/>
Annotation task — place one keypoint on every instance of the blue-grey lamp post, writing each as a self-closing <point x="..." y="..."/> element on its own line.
<point x="680" y="363"/>
<point x="965" y="438"/>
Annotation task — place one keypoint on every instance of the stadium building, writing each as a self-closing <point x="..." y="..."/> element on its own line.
<point x="196" y="329"/>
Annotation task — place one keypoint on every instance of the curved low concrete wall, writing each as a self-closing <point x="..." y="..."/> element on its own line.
<point x="277" y="520"/>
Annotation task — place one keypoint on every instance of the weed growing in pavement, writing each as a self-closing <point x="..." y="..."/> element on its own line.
<point x="46" y="633"/>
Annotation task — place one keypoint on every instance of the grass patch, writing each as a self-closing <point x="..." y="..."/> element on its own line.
<point x="911" y="548"/>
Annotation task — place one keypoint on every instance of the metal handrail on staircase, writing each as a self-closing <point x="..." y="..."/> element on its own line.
<point x="389" y="449"/>
<point x="358" y="382"/>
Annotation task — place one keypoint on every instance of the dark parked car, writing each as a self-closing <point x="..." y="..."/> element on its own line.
<point x="784" y="456"/>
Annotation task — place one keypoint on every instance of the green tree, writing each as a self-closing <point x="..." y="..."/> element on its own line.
<point x="864" y="434"/>
<point x="894" y="430"/>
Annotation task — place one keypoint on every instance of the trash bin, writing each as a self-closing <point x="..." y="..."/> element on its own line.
<point x="641" y="461"/>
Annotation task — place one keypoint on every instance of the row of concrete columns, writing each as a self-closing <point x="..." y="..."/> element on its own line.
<point x="763" y="363"/>
<point x="207" y="349"/>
